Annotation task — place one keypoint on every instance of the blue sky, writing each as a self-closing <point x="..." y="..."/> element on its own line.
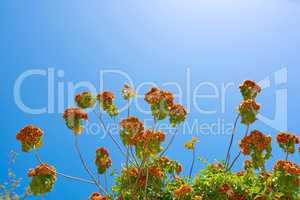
<point x="151" y="41"/>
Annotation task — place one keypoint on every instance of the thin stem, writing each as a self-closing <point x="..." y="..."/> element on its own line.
<point x="231" y="140"/>
<point x="169" y="144"/>
<point x="128" y="110"/>
<point x="65" y="175"/>
<point x="105" y="181"/>
<point x="146" y="184"/>
<point x="286" y="156"/>
<point x="86" y="166"/>
<point x="239" y="154"/>
<point x="192" y="166"/>
<point x="133" y="155"/>
<point x="107" y="131"/>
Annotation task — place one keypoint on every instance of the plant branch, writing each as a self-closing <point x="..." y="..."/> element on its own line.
<point x="239" y="154"/>
<point x="65" y="175"/>
<point x="192" y="166"/>
<point x="170" y="143"/>
<point x="231" y="140"/>
<point x="86" y="166"/>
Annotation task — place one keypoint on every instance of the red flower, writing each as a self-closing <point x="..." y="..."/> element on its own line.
<point x="249" y="89"/>
<point x="73" y="118"/>
<point x="30" y="137"/>
<point x="103" y="161"/>
<point x="287" y="167"/>
<point x="97" y="196"/>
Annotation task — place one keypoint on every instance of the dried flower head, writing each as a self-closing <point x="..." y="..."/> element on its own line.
<point x="43" y="179"/>
<point x="127" y="92"/>
<point x="248" y="110"/>
<point x="106" y="102"/>
<point x="85" y="100"/>
<point x="177" y="114"/>
<point x="130" y="128"/>
<point x="30" y="137"/>
<point x="102" y="161"/>
<point x="249" y="89"/>
<point x="73" y="118"/>
<point x="287" y="141"/>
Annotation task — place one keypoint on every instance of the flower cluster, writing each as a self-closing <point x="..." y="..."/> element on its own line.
<point x="127" y="92"/>
<point x="106" y="102"/>
<point x="255" y="144"/>
<point x="73" y="118"/>
<point x="30" y="137"/>
<point x="177" y="114"/>
<point x="249" y="89"/>
<point x="97" y="196"/>
<point x="130" y="128"/>
<point x="85" y="100"/>
<point x="170" y="166"/>
<point x="287" y="167"/>
<point x="248" y="110"/>
<point x="43" y="179"/>
<point x="287" y="142"/>
<point x="148" y="143"/>
<point x="182" y="191"/>
<point x="102" y="161"/>
<point x="160" y="102"/>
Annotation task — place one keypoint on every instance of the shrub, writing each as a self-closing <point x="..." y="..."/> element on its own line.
<point x="148" y="173"/>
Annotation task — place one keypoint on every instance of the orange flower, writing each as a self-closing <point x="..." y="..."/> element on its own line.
<point x="106" y="102"/>
<point x="130" y="128"/>
<point x="287" y="167"/>
<point x="154" y="96"/>
<point x="240" y="173"/>
<point x="182" y="191"/>
<point x="97" y="196"/>
<point x="287" y="141"/>
<point x="30" y="137"/>
<point x="258" y="146"/>
<point x="248" y="110"/>
<point x="155" y="171"/>
<point x="132" y="172"/>
<point x="43" y="179"/>
<point x="42" y="170"/>
<point x="249" y="89"/>
<point x="73" y="117"/>
<point x="106" y="96"/>
<point x="75" y="113"/>
<point x="148" y="142"/>
<point x="103" y="161"/>
<point x="256" y="141"/>
<point x="177" y="114"/>
<point x="85" y="100"/>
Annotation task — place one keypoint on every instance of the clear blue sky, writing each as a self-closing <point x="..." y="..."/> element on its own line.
<point x="219" y="41"/>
